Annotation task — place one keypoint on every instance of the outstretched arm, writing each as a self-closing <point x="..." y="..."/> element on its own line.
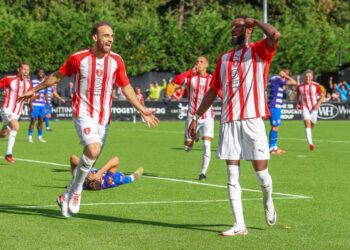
<point x="129" y="93"/>
<point x="55" y="94"/>
<point x="54" y="78"/>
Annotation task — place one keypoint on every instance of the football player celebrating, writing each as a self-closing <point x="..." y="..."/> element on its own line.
<point x="11" y="109"/>
<point x="197" y="81"/>
<point x="308" y="99"/>
<point x="95" y="72"/>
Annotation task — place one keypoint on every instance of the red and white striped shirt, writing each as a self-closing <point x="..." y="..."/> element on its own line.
<point x="14" y="88"/>
<point x="197" y="87"/>
<point x="308" y="94"/>
<point x="93" y="79"/>
<point x="242" y="76"/>
<point x="140" y="98"/>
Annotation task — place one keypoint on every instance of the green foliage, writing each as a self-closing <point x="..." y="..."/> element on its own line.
<point x="149" y="37"/>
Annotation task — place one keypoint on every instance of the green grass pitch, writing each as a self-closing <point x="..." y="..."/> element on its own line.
<point x="155" y="213"/>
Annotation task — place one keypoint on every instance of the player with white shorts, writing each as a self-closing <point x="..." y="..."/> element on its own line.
<point x="95" y="72"/>
<point x="11" y="108"/>
<point x="197" y="81"/>
<point x="308" y="99"/>
<point x="243" y="139"/>
<point x="240" y="77"/>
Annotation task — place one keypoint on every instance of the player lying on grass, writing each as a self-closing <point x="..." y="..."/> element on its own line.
<point x="102" y="178"/>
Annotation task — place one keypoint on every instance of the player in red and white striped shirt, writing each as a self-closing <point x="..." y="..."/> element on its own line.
<point x="141" y="100"/>
<point x="197" y="81"/>
<point x="308" y="99"/>
<point x="241" y="75"/>
<point x="95" y="72"/>
<point x="11" y="109"/>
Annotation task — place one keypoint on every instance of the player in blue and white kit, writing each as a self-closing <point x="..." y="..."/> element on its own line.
<point x="275" y="100"/>
<point x="107" y="176"/>
<point x="50" y="92"/>
<point x="102" y="178"/>
<point x="38" y="108"/>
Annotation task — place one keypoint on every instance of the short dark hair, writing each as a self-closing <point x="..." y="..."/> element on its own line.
<point x="23" y="62"/>
<point x="97" y="25"/>
<point x="242" y="16"/>
<point x="93" y="184"/>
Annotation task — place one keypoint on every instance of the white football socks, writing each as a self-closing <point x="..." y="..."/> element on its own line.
<point x="82" y="171"/>
<point x="206" y="156"/>
<point x="308" y="135"/>
<point x="11" y="141"/>
<point x="265" y="182"/>
<point x="234" y="193"/>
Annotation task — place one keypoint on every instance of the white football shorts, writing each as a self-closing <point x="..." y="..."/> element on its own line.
<point x="90" y="131"/>
<point x="243" y="140"/>
<point x="206" y="126"/>
<point x="7" y="116"/>
<point x="309" y="115"/>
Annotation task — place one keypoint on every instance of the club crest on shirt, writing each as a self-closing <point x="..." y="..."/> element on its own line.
<point x="99" y="72"/>
<point x="235" y="64"/>
<point x="201" y="87"/>
<point x="9" y="116"/>
<point x="87" y="131"/>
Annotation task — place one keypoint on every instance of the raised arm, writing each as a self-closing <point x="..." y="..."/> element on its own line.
<point x="273" y="36"/>
<point x="54" y="78"/>
<point x="180" y="79"/>
<point x="290" y="81"/>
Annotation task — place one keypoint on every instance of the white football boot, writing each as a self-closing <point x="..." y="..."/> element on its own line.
<point x="63" y="203"/>
<point x="74" y="203"/>
<point x="270" y="214"/>
<point x="235" y="230"/>
<point x="41" y="140"/>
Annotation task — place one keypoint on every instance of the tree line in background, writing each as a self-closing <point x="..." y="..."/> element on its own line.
<point x="168" y="35"/>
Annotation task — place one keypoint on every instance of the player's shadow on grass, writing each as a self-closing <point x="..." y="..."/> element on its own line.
<point x="194" y="149"/>
<point x="57" y="170"/>
<point x="62" y="187"/>
<point x="8" y="209"/>
<point x="56" y="214"/>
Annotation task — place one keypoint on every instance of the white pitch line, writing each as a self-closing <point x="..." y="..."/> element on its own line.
<point x="222" y="186"/>
<point x="181" y="132"/>
<point x="145" y="203"/>
<point x="175" y="180"/>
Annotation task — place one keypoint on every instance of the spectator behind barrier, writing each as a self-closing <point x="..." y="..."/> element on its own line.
<point x="169" y="91"/>
<point x="155" y="90"/>
<point x="179" y="93"/>
<point x="69" y="91"/>
<point x="343" y="89"/>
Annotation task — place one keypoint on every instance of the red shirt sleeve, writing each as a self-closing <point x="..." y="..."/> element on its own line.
<point x="4" y="82"/>
<point x="264" y="52"/>
<point x="215" y="82"/>
<point x="69" y="67"/>
<point x="121" y="77"/>
<point x="180" y="79"/>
